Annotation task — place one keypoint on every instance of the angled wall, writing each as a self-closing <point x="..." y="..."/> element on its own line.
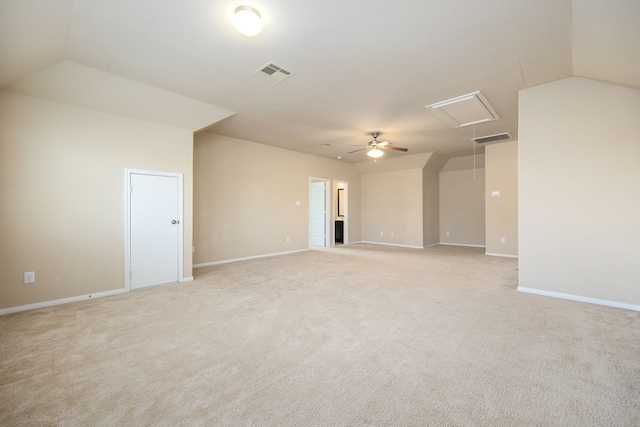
<point x="431" y="199"/>
<point x="392" y="208"/>
<point x="62" y="195"/>
<point x="393" y="200"/>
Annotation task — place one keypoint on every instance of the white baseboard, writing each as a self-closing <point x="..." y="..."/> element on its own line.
<point x="186" y="279"/>
<point x="462" y="244"/>
<point x="579" y="298"/>
<point x="392" y="244"/>
<point x="227" y="261"/>
<point x="46" y="304"/>
<point x="501" y="255"/>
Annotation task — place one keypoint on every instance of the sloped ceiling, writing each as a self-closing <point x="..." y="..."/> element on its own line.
<point x="360" y="66"/>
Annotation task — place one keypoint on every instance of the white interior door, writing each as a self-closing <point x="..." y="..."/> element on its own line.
<point x="154" y="229"/>
<point x="318" y="213"/>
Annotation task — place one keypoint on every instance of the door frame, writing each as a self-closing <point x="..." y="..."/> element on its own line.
<point x="328" y="235"/>
<point x="127" y="221"/>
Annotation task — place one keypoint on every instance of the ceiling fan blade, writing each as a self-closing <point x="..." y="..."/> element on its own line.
<point x="355" y="151"/>
<point x="383" y="143"/>
<point x="388" y="147"/>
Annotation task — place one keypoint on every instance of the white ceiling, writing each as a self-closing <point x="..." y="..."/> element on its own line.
<point x="360" y="65"/>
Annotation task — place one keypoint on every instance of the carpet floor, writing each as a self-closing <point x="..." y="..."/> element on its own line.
<point x="347" y="336"/>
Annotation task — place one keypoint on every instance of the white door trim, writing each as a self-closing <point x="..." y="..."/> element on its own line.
<point x="127" y="222"/>
<point x="327" y="208"/>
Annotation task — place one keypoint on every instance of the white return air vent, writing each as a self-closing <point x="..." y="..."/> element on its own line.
<point x="504" y="136"/>
<point x="273" y="73"/>
<point x="464" y="110"/>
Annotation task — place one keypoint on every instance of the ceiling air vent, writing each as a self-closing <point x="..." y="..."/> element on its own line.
<point x="464" y="110"/>
<point x="492" y="138"/>
<point x="273" y="73"/>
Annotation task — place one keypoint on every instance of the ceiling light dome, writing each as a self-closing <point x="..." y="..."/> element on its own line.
<point x="247" y="21"/>
<point x="375" y="153"/>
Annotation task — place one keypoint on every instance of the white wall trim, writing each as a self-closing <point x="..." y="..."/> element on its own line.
<point x="392" y="244"/>
<point x="462" y="244"/>
<point x="46" y="304"/>
<point x="501" y="255"/>
<point x="227" y="261"/>
<point x="579" y="298"/>
<point x="186" y="279"/>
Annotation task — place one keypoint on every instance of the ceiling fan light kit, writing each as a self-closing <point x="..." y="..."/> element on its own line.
<point x="375" y="148"/>
<point x="375" y="153"/>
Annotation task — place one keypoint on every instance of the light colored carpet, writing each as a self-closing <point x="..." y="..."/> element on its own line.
<point x="356" y="335"/>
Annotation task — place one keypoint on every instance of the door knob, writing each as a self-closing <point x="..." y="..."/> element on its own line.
<point x="174" y="221"/>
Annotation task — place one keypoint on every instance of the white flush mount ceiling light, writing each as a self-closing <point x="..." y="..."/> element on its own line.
<point x="464" y="110"/>
<point x="247" y="21"/>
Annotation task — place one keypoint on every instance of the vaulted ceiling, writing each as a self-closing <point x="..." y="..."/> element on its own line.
<point x="359" y="65"/>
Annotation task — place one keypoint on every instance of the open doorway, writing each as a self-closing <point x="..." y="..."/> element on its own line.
<point x="340" y="212"/>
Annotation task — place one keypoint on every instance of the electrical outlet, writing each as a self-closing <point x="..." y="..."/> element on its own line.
<point x="503" y="240"/>
<point x="446" y="233"/>
<point x="382" y="233"/>
<point x="288" y="239"/>
<point x="392" y="234"/>
<point x="29" y="277"/>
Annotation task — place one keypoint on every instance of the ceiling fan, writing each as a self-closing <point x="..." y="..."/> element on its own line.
<point x="374" y="148"/>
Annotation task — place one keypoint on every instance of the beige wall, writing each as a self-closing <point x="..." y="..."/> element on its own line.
<point x="501" y="212"/>
<point x="462" y="201"/>
<point x="63" y="204"/>
<point x="392" y="205"/>
<point x="245" y="198"/>
<point x="579" y="197"/>
<point x="62" y="195"/>
<point x="430" y="207"/>
<point x="393" y="191"/>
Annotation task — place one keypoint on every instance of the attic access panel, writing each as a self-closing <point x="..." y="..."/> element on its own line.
<point x="464" y="110"/>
